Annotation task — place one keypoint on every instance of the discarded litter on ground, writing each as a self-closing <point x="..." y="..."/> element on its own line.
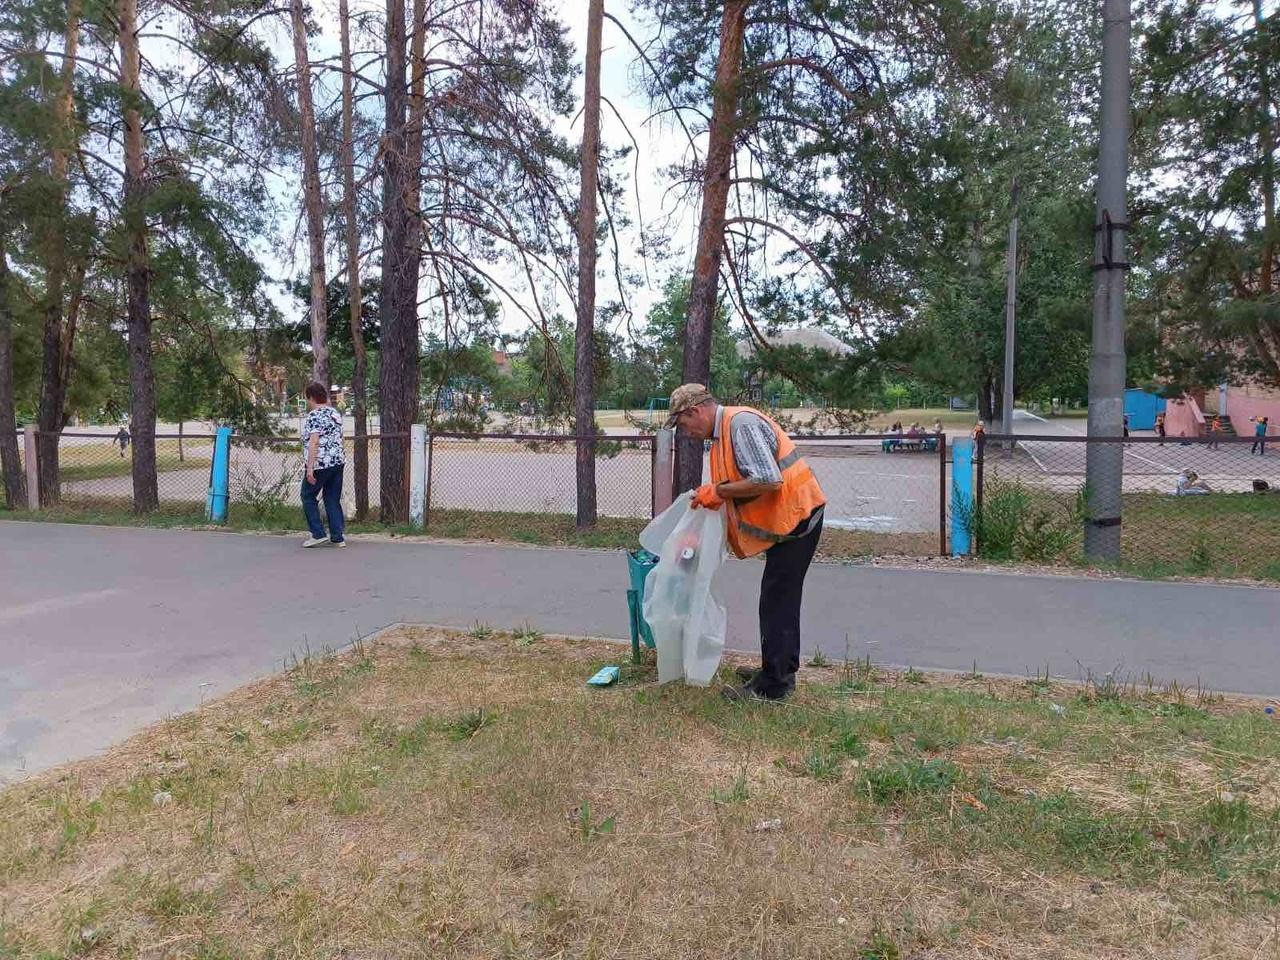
<point x="605" y="676"/>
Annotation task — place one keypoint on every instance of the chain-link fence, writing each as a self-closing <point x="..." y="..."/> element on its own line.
<point x="95" y="473"/>
<point x="886" y="493"/>
<point x="1203" y="506"/>
<point x="524" y="487"/>
<point x="265" y="477"/>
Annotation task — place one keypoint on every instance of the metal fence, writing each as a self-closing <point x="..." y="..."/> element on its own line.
<point x="265" y="474"/>
<point x="524" y="485"/>
<point x="1198" y="505"/>
<point x="886" y="493"/>
<point x="95" y="472"/>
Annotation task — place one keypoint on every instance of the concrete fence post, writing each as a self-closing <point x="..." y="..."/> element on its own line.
<point x="33" y="467"/>
<point x="663" y="466"/>
<point x="219" y="477"/>
<point x="417" y="475"/>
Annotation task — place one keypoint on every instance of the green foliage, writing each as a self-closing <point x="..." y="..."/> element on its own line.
<point x="737" y="792"/>
<point x="468" y="724"/>
<point x="588" y="829"/>
<point x="1019" y="523"/>
<point x="1203" y="310"/>
<point x="879" y="946"/>
<point x="893" y="781"/>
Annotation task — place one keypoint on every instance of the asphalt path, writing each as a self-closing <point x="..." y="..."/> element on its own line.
<point x="104" y="630"/>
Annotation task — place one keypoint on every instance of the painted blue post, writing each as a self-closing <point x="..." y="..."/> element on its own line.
<point x="961" y="497"/>
<point x="219" y="477"/>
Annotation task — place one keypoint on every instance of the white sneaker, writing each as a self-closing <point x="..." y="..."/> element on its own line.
<point x="337" y="543"/>
<point x="315" y="541"/>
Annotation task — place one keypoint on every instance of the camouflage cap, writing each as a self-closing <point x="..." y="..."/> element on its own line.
<point x="684" y="397"/>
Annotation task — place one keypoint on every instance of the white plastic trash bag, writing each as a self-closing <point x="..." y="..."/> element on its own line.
<point x="683" y="604"/>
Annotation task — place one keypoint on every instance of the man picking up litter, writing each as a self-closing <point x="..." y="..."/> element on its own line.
<point x="773" y="505"/>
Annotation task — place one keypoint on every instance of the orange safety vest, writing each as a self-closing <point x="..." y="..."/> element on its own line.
<point x="757" y="524"/>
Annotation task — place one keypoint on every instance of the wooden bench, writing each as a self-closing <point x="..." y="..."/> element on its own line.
<point x="910" y="445"/>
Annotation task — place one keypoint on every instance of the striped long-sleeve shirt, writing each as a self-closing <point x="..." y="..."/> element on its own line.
<point x="755" y="447"/>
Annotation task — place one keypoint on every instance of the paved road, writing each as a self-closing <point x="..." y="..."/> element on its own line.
<point x="104" y="630"/>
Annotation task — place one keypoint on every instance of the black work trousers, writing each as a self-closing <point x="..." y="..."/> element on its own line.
<point x="781" y="590"/>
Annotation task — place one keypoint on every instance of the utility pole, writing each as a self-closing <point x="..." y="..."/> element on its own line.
<point x="1010" y="313"/>
<point x="1104" y="464"/>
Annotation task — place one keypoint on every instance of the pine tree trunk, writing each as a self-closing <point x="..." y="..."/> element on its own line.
<point x="312" y="198"/>
<point x="398" y="367"/>
<point x="1267" y="143"/>
<point x="15" y="486"/>
<point x="49" y="418"/>
<point x="142" y="386"/>
<point x="584" y="391"/>
<point x="986" y="409"/>
<point x="1268" y="334"/>
<point x="359" y="386"/>
<point x="703" y="292"/>
<point x="67" y="353"/>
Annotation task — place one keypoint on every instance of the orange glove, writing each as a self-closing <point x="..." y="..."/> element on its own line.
<point x="706" y="496"/>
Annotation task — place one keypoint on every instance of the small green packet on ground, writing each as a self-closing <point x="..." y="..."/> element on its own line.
<point x="606" y="676"/>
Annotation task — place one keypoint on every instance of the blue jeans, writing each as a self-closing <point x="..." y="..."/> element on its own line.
<point x="329" y="484"/>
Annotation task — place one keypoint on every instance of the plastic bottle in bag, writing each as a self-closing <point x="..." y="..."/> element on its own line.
<point x="682" y="602"/>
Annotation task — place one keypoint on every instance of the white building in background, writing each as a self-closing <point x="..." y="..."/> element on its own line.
<point x="810" y="338"/>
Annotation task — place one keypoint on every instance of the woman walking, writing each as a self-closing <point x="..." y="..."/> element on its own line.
<point x="323" y="458"/>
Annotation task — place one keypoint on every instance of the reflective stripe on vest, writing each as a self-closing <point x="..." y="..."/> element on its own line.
<point x="789" y="459"/>
<point x="772" y="537"/>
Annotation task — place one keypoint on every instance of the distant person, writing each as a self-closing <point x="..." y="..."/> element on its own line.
<point x="1260" y="435"/>
<point x="896" y="430"/>
<point x="937" y="426"/>
<point x="323" y="461"/>
<point x="1189" y="484"/>
<point x="1126" y="426"/>
<point x="1160" y="427"/>
<point x="122" y="438"/>
<point x="1215" y="433"/>
<point x="979" y="432"/>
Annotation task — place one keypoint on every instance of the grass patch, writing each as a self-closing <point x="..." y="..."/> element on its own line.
<point x="534" y="528"/>
<point x="1224" y="535"/>
<point x="463" y="797"/>
<point x="903" y="778"/>
<point x="107" y="468"/>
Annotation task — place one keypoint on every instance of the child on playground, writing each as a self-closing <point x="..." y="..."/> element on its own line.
<point x="1260" y="435"/>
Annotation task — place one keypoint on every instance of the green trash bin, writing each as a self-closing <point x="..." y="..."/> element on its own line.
<point x="639" y="564"/>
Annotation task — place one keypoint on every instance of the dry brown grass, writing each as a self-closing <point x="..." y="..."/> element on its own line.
<point x="466" y="796"/>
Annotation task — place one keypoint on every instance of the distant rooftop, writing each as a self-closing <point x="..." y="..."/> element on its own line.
<point x="811" y="338"/>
